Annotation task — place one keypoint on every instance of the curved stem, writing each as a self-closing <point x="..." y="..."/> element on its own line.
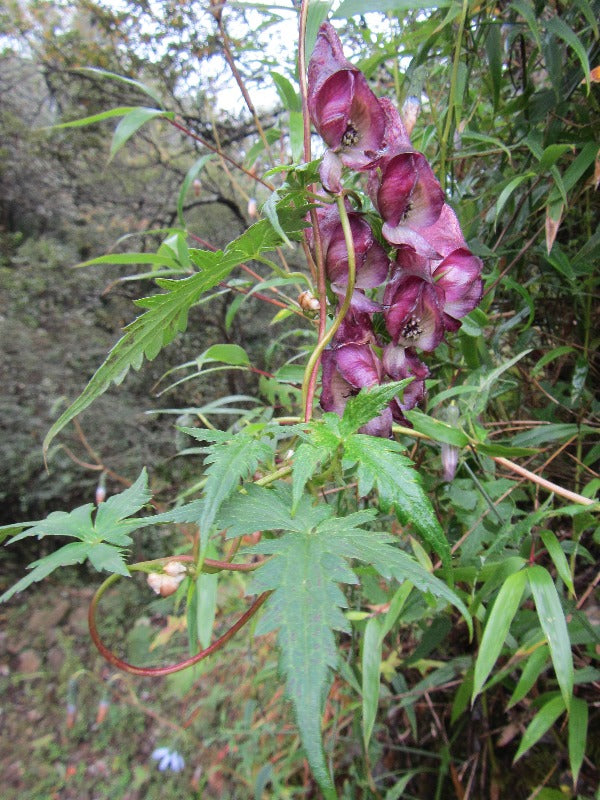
<point x="310" y="374"/>
<point x="157" y="672"/>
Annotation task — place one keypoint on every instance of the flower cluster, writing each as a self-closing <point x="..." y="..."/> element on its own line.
<point x="429" y="277"/>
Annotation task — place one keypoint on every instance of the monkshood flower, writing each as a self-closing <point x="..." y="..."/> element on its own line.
<point x="168" y="759"/>
<point x="426" y="297"/>
<point x="351" y="364"/>
<point x="400" y="363"/>
<point x="371" y="261"/>
<point x="345" y="112"/>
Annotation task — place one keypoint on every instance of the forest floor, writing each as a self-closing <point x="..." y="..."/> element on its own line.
<point x="101" y="745"/>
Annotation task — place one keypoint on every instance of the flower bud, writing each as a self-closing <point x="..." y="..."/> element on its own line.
<point x="252" y="208"/>
<point x="410" y="112"/>
<point x="308" y="302"/>
<point x="175" y="568"/>
<point x="162" y="584"/>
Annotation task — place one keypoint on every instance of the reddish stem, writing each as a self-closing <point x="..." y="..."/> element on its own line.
<point x="157" y="672"/>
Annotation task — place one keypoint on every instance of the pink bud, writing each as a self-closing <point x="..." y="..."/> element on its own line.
<point x="164" y="585"/>
<point x="252" y="208"/>
<point x="410" y="112"/>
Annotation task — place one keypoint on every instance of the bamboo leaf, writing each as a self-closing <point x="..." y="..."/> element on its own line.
<point x="578" y="729"/>
<point x="542" y="722"/>
<point x="131" y="123"/>
<point x="503" y="611"/>
<point x="554" y="625"/>
<point x="371" y="662"/>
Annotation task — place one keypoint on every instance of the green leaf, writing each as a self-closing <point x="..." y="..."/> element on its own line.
<point x="229" y="462"/>
<point x="80" y="123"/>
<point x="74" y="553"/>
<point x="307" y="459"/>
<point x="367" y="404"/>
<point x="559" y="28"/>
<point x="108" y="558"/>
<point x="227" y="353"/>
<point x="552" y="620"/>
<point x="259" y="508"/>
<point x="531" y="672"/>
<point x="493" y="49"/>
<point x="317" y="13"/>
<point x="351" y="8"/>
<point x="77" y="523"/>
<point x="504" y="609"/>
<point x="578" y="728"/>
<point x="305" y="608"/>
<point x="287" y="93"/>
<point x="371" y="662"/>
<point x="527" y="11"/>
<point x="131" y="123"/>
<point x="558" y="557"/>
<point x="510" y="187"/>
<point x="551" y="432"/>
<point x="205" y="598"/>
<point x="167" y="313"/>
<point x="192" y="174"/>
<point x="380" y="463"/>
<point x="103" y="73"/>
<point x="110" y="523"/>
<point x="132" y="258"/>
<point x="436" y="429"/>
<point x="543" y="721"/>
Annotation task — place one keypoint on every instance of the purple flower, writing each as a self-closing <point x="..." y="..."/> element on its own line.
<point x="400" y="363"/>
<point x="344" y="110"/>
<point x="409" y="198"/>
<point x="168" y="759"/>
<point x="351" y="364"/>
<point x="427" y="297"/>
<point x="371" y="261"/>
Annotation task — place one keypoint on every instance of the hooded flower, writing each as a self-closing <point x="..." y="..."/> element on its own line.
<point x="409" y="198"/>
<point x="344" y="110"/>
<point x="351" y="364"/>
<point x="168" y="759"/>
<point x="400" y="363"/>
<point x="372" y="263"/>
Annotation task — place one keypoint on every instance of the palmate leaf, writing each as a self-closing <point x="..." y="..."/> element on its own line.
<point x="100" y="540"/>
<point x="230" y="460"/>
<point x="307" y="566"/>
<point x="380" y="464"/>
<point x="167" y="313"/>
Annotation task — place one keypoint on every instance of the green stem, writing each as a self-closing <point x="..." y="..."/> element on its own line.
<point x="450" y="116"/>
<point x="313" y="362"/>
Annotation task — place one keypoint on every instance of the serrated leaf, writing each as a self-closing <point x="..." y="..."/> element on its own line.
<point x="229" y="462"/>
<point x="307" y="459"/>
<point x="108" y="558"/>
<point x="381" y="464"/>
<point x="259" y="508"/>
<point x="367" y="404"/>
<point x="77" y="523"/>
<point x="131" y="123"/>
<point x="157" y="259"/>
<point x="542" y="722"/>
<point x="554" y="625"/>
<point x="305" y="609"/>
<point x="503" y="611"/>
<point x="167" y="313"/>
<point x="73" y="553"/>
<point x="110" y="523"/>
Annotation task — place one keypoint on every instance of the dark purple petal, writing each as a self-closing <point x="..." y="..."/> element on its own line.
<point x="413" y="315"/>
<point x="335" y="390"/>
<point x="358" y="365"/>
<point x="359" y="300"/>
<point x="374" y="269"/>
<point x="409" y="193"/>
<point x="395" y="137"/>
<point x="380" y="425"/>
<point x="459" y="276"/>
<point x="330" y="172"/>
<point x="445" y="234"/>
<point x="344" y="110"/>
